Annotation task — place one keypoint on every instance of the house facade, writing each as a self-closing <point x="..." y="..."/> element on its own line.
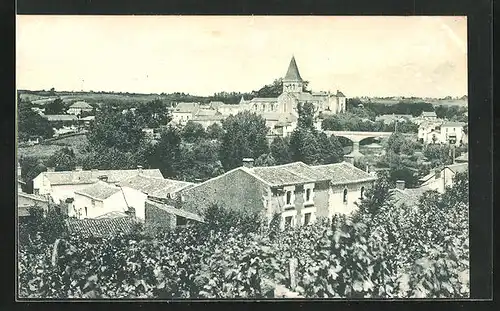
<point x="102" y="198"/>
<point x="62" y="185"/>
<point x="443" y="177"/>
<point x="298" y="192"/>
<point x="441" y="132"/>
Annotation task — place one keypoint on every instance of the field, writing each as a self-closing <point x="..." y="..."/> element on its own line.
<point x="46" y="150"/>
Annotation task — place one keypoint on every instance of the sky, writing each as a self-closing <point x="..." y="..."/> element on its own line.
<point x="359" y="55"/>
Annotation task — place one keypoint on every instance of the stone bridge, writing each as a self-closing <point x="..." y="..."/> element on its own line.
<point x="356" y="137"/>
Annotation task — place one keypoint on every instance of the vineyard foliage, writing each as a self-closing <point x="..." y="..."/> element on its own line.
<point x="389" y="252"/>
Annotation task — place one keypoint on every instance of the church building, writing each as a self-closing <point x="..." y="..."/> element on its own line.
<point x="293" y="93"/>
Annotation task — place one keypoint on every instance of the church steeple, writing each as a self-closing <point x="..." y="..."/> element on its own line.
<point x="292" y="82"/>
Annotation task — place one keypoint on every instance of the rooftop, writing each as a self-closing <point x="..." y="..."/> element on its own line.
<point x="453" y="124"/>
<point x="90" y="177"/>
<point x="154" y="186"/>
<point x="408" y="196"/>
<point x="102" y="227"/>
<point x="60" y="117"/>
<point x="81" y="104"/>
<point x="428" y="114"/>
<point x="186" y="107"/>
<point x="455" y="168"/>
<point x="343" y="173"/>
<point x="292" y="73"/>
<point x="288" y="174"/>
<point x="99" y="191"/>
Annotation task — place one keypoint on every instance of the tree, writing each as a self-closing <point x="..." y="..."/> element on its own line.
<point x="244" y="137"/>
<point x="153" y="114"/>
<point x="199" y="161"/>
<point x="307" y="113"/>
<point x="193" y="132"/>
<point x="62" y="160"/>
<point x="395" y="142"/>
<point x="266" y="159"/>
<point x="280" y="150"/>
<point x="112" y="129"/>
<point x="215" y="131"/>
<point x="166" y="153"/>
<point x="30" y="123"/>
<point x="55" y="107"/>
<point x="304" y="146"/>
<point x="331" y="150"/>
<point x="31" y="167"/>
<point x="270" y="90"/>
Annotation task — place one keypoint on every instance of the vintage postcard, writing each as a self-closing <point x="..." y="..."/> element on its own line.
<point x="242" y="157"/>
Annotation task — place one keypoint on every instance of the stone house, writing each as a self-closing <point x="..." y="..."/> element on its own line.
<point x="443" y="177"/>
<point x="63" y="184"/>
<point x="298" y="192"/>
<point x="102" y="198"/>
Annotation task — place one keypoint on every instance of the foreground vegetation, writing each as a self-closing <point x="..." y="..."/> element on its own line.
<point x="382" y="251"/>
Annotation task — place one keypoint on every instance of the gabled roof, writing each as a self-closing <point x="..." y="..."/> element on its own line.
<point x="186" y="107"/>
<point x="90" y="177"/>
<point x="154" y="186"/>
<point x="215" y="104"/>
<point x="343" y="173"/>
<point x="99" y="191"/>
<point x="281" y="117"/>
<point x="455" y="168"/>
<point x="114" y="214"/>
<point x="205" y="112"/>
<point x="81" y="104"/>
<point x="103" y="227"/>
<point x="288" y="174"/>
<point x="453" y="124"/>
<point x="340" y="94"/>
<point x="292" y="73"/>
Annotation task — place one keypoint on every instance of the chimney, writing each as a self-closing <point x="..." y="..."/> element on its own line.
<point x="248" y="162"/>
<point x="400" y="184"/>
<point x="139" y="168"/>
<point x="51" y="169"/>
<point x="103" y="178"/>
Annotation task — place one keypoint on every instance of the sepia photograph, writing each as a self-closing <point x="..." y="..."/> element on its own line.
<point x="242" y="157"/>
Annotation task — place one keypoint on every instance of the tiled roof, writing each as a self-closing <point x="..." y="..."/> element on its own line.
<point x="153" y="186"/>
<point x="276" y="116"/>
<point x="100" y="190"/>
<point x="292" y="73"/>
<point x="186" y="107"/>
<point x="453" y="124"/>
<point x="175" y="211"/>
<point x="103" y="227"/>
<point x="304" y="96"/>
<point x="114" y="214"/>
<point x="81" y="104"/>
<point x="206" y="112"/>
<point x="215" y="104"/>
<point x="409" y="196"/>
<point x="90" y="177"/>
<point x="343" y="173"/>
<point x="216" y="117"/>
<point x="31" y="199"/>
<point x="455" y="168"/>
<point x="288" y="174"/>
<point x="60" y="117"/>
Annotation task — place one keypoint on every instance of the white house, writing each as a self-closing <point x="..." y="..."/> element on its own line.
<point x="79" y="107"/>
<point x="184" y="112"/>
<point x="62" y="185"/>
<point x="102" y="198"/>
<point x="428" y="115"/>
<point x="453" y="130"/>
<point x="443" y="177"/>
<point x="440" y="132"/>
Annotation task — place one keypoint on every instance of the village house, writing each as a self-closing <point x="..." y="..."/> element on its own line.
<point x="409" y="197"/>
<point x="428" y="115"/>
<point x="62" y="185"/>
<point x="443" y="177"/>
<point x="442" y="132"/>
<point x="25" y="200"/>
<point x="101" y="198"/>
<point x="107" y="225"/>
<point x="183" y="112"/>
<point x="79" y="107"/>
<point x="388" y="119"/>
<point x="156" y="187"/>
<point x="65" y="119"/>
<point x="298" y="192"/>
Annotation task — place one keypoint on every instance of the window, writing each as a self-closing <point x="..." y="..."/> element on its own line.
<point x="288" y="198"/>
<point x="362" y="193"/>
<point x="345" y="196"/>
<point x="288" y="221"/>
<point x="180" y="221"/>
<point x="307" y="218"/>
<point x="86" y="211"/>
<point x="36" y="191"/>
<point x="308" y="195"/>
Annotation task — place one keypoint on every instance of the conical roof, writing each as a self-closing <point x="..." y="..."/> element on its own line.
<point x="293" y="72"/>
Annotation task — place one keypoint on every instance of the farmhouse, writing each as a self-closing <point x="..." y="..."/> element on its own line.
<point x="79" y="107"/>
<point x="62" y="185"/>
<point x="102" y="198"/>
<point x="443" y="177"/>
<point x="298" y="192"/>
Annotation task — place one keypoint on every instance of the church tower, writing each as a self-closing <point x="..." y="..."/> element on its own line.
<point x="292" y="83"/>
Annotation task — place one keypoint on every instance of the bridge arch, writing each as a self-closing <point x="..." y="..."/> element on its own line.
<point x="356" y="137"/>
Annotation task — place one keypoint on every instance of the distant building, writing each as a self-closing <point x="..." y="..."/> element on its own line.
<point x="441" y="132"/>
<point x="79" y="107"/>
<point x="183" y="112"/>
<point x="391" y="118"/>
<point x="428" y="115"/>
<point x="62" y="185"/>
<point x="65" y="118"/>
<point x="443" y="177"/>
<point x="156" y="187"/>
<point x="409" y="197"/>
<point x="299" y="193"/>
